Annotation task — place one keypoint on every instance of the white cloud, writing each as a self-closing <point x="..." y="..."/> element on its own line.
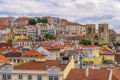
<point x="74" y="10"/>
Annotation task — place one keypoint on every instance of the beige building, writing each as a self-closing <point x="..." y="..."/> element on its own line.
<point x="53" y="20"/>
<point x="37" y="70"/>
<point x="118" y="38"/>
<point x="75" y="28"/>
<point x="42" y="29"/>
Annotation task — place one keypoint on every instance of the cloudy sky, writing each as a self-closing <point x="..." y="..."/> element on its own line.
<point x="82" y="11"/>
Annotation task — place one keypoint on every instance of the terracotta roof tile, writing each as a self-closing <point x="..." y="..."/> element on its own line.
<point x="94" y="74"/>
<point x="88" y="46"/>
<point x="53" y="47"/>
<point x="39" y="65"/>
<point x="13" y="54"/>
<point x="3" y="59"/>
<point x="32" y="54"/>
<point x="72" y="23"/>
<point x="5" y="44"/>
<point x="81" y="35"/>
<point x="117" y="57"/>
<point x="116" y="74"/>
<point x="10" y="49"/>
<point x="105" y="50"/>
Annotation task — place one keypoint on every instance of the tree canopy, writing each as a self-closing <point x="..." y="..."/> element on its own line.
<point x="10" y="40"/>
<point x="32" y="21"/>
<point x="85" y="42"/>
<point x="116" y="44"/>
<point x="42" y="20"/>
<point x="49" y="36"/>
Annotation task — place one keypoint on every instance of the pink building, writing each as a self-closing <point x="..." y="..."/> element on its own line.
<point x="4" y="22"/>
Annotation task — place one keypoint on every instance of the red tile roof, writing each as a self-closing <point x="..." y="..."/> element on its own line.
<point x="13" y="54"/>
<point x="5" y="44"/>
<point x="105" y="50"/>
<point x="39" y="65"/>
<point x="88" y="46"/>
<point x="3" y="59"/>
<point x="10" y="49"/>
<point x="72" y="23"/>
<point x="116" y="74"/>
<point x="32" y="54"/>
<point x="117" y="57"/>
<point x="53" y="47"/>
<point x="81" y="35"/>
<point x="94" y="74"/>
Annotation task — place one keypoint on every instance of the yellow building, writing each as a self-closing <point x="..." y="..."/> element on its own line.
<point x="37" y="70"/>
<point x="17" y="58"/>
<point x="16" y="37"/>
<point x="19" y="33"/>
<point x="108" y="58"/>
<point x="93" y="60"/>
<point x="90" y="54"/>
<point x="90" y="49"/>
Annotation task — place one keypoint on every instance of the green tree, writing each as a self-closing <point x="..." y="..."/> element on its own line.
<point x="85" y="42"/>
<point x="116" y="44"/>
<point x="39" y="20"/>
<point x="32" y="21"/>
<point x="49" y="36"/>
<point x="44" y="20"/>
<point x="10" y="40"/>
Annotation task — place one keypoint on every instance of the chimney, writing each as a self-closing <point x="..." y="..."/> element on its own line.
<point x="110" y="75"/>
<point x="87" y="71"/>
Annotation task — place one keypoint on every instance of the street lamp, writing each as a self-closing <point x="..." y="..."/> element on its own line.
<point x="81" y="57"/>
<point x="81" y="62"/>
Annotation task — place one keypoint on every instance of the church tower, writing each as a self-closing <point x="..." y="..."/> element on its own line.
<point x="103" y="33"/>
<point x="90" y="31"/>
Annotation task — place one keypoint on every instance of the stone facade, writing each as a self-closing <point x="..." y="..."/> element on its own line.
<point x="100" y="36"/>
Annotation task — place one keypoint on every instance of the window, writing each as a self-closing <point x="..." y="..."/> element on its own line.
<point x="89" y="30"/>
<point x="14" y="60"/>
<point x="96" y="37"/>
<point x="39" y="77"/>
<point x="9" y="77"/>
<point x="102" y="29"/>
<point x="29" y="77"/>
<point x="20" y="77"/>
<point x="53" y="78"/>
<point x="56" y="78"/>
<point x="50" y="77"/>
<point x="6" y="76"/>
<point x="18" y="60"/>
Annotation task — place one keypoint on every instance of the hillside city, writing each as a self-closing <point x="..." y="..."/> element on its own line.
<point x="53" y="48"/>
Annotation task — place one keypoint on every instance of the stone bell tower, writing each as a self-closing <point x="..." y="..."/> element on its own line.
<point x="90" y="31"/>
<point x="103" y="32"/>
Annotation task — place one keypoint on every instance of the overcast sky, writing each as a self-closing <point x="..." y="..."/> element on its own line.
<point x="82" y="11"/>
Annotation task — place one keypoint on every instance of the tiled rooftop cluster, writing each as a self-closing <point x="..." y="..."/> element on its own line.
<point x="53" y="50"/>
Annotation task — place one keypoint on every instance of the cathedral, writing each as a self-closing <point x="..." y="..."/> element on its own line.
<point x="100" y="36"/>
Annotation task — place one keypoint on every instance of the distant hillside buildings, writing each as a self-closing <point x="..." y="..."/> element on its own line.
<point x="61" y="28"/>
